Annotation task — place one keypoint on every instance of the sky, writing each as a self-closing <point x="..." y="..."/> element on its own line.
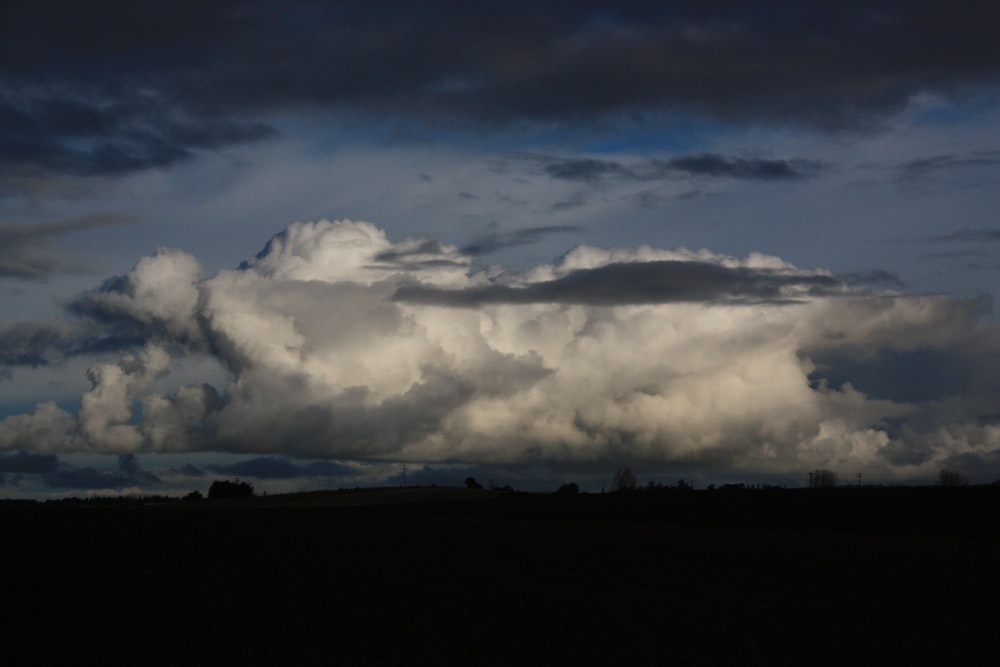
<point x="307" y="243"/>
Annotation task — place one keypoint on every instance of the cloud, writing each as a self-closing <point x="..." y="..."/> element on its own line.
<point x="921" y="166"/>
<point x="753" y="169"/>
<point x="874" y="276"/>
<point x="35" y="344"/>
<point x="28" y="463"/>
<point x="126" y="474"/>
<point x="63" y="130"/>
<point x="152" y="93"/>
<point x="279" y="467"/>
<point x="628" y="283"/>
<point x="104" y="421"/>
<point x="159" y="294"/>
<point x="585" y="169"/>
<point x="47" y="429"/>
<point x="490" y="243"/>
<point x="706" y="165"/>
<point x="345" y="346"/>
<point x="25" y="247"/>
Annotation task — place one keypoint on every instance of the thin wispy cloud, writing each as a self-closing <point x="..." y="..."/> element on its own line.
<point x="26" y="248"/>
<point x="492" y="242"/>
<point x="753" y="169"/>
<point x="706" y="165"/>
<point x="920" y="166"/>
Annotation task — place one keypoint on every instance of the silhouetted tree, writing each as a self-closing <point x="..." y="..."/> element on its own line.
<point x="193" y="496"/>
<point x="624" y="480"/>
<point x="229" y="489"/>
<point x="570" y="489"/>
<point x="949" y="477"/>
<point x="471" y="483"/>
<point x="822" y="479"/>
<point x="684" y="486"/>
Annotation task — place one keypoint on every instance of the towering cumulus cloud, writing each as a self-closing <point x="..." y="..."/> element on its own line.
<point x="342" y="344"/>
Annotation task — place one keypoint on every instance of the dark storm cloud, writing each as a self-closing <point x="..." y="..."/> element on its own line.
<point x="97" y="135"/>
<point x="493" y="242"/>
<point x="638" y="282"/>
<point x="126" y="473"/>
<point x="112" y="87"/>
<point x="25" y="248"/>
<point x="28" y="463"/>
<point x="278" y="467"/>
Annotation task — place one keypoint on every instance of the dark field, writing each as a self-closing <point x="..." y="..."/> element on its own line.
<point x="850" y="576"/>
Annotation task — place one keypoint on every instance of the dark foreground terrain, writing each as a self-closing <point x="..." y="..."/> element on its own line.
<point x="861" y="577"/>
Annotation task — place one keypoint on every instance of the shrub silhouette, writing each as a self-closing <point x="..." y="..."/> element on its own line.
<point x="471" y="483"/>
<point x="822" y="479"/>
<point x="229" y="489"/>
<point x="949" y="477"/>
<point x="624" y="480"/>
<point x="570" y="489"/>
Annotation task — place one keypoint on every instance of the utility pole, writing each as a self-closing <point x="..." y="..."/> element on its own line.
<point x="404" y="475"/>
<point x="859" y="480"/>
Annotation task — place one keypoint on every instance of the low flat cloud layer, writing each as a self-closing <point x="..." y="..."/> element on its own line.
<point x="343" y="345"/>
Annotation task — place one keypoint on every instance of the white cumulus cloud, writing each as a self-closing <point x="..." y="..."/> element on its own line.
<point x="343" y="344"/>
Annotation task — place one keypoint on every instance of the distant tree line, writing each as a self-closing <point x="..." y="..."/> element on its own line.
<point x="107" y="501"/>
<point x="825" y="479"/>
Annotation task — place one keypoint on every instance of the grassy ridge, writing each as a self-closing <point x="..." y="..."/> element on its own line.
<point x="701" y="578"/>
